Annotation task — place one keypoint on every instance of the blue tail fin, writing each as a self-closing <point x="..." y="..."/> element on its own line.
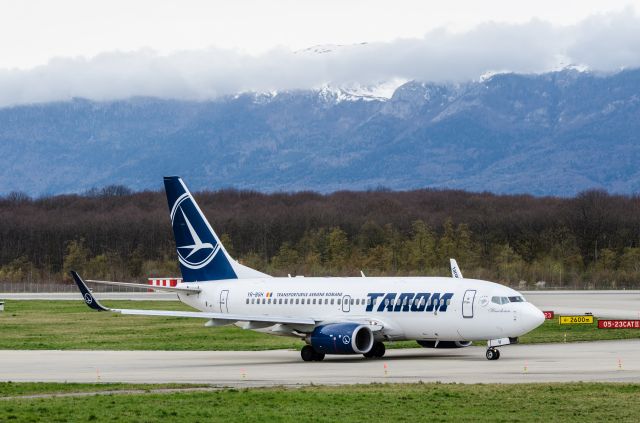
<point x="201" y="254"/>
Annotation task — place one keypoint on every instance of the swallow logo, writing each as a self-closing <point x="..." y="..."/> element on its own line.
<point x="346" y="339"/>
<point x="193" y="252"/>
<point x="88" y="299"/>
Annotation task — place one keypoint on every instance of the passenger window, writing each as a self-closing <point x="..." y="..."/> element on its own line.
<point x="253" y="300"/>
<point x="357" y="301"/>
<point x="280" y="301"/>
<point x="264" y="301"/>
<point x="448" y="302"/>
<point x="368" y="301"/>
<point x="297" y="300"/>
<point x="386" y="302"/>
<point x="339" y="301"/>
<point x="326" y="301"/>
<point x="352" y="301"/>
<point x="314" y="301"/>
<point x="422" y="302"/>
<point x="308" y="300"/>
<point x="247" y="301"/>
<point x="332" y="301"/>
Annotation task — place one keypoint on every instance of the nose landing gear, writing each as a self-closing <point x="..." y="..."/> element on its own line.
<point x="492" y="354"/>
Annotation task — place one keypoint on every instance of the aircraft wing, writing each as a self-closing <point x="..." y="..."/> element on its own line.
<point x="183" y="289"/>
<point x="224" y="318"/>
<point x="455" y="269"/>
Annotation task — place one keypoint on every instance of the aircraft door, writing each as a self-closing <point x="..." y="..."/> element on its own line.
<point x="467" y="303"/>
<point x="224" y="297"/>
<point x="346" y="303"/>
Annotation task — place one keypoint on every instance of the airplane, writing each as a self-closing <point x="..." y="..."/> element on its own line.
<point x="455" y="269"/>
<point x="332" y="315"/>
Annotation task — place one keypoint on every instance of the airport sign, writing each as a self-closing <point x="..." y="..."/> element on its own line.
<point x="618" y="324"/>
<point x="549" y="315"/>
<point x="576" y="320"/>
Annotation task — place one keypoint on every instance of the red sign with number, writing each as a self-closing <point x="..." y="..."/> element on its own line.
<point x="618" y="324"/>
<point x="549" y="315"/>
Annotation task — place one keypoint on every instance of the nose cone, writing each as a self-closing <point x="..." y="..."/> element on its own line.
<point x="532" y="317"/>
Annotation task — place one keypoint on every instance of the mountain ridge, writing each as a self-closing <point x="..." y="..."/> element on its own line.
<point x="550" y="134"/>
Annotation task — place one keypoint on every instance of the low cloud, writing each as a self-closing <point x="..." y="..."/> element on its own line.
<point x="601" y="43"/>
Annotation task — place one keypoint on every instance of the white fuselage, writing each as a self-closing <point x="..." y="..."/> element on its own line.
<point x="464" y="310"/>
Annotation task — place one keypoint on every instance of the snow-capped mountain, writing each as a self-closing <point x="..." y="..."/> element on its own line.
<point x="556" y="133"/>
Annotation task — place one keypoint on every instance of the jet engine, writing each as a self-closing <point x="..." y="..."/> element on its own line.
<point x="342" y="338"/>
<point x="444" y="344"/>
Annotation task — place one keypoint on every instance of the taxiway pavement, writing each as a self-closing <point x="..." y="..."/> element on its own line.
<point x="603" y="361"/>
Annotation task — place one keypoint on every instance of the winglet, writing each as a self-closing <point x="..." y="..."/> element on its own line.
<point x="86" y="293"/>
<point x="455" y="269"/>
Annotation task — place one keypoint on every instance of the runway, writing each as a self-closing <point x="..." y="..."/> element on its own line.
<point x="603" y="361"/>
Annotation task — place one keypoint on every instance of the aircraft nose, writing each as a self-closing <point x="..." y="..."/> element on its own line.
<point x="532" y="317"/>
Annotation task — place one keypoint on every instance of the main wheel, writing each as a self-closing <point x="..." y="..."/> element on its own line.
<point x="497" y="354"/>
<point x="317" y="356"/>
<point x="307" y="353"/>
<point x="378" y="349"/>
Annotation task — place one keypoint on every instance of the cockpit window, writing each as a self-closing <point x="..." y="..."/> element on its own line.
<point x="507" y="300"/>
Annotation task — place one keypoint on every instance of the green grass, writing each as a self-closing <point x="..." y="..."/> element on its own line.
<point x="71" y="325"/>
<point x="14" y="389"/>
<point x="574" y="402"/>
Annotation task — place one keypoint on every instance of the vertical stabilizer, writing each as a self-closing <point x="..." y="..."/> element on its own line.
<point x="201" y="255"/>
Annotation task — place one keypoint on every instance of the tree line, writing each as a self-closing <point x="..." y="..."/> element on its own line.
<point x="590" y="240"/>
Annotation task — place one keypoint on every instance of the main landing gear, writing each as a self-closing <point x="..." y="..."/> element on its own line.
<point x="492" y="354"/>
<point x="376" y="351"/>
<point x="308" y="353"/>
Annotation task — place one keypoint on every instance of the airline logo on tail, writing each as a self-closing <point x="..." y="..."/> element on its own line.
<point x="201" y="255"/>
<point x="193" y="251"/>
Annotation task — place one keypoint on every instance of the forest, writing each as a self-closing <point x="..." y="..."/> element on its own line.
<point x="589" y="241"/>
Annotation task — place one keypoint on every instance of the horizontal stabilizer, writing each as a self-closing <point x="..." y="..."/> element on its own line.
<point x="183" y="289"/>
<point x="229" y="318"/>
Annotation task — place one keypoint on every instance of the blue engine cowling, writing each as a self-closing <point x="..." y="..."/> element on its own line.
<point x="342" y="338"/>
<point x="444" y="344"/>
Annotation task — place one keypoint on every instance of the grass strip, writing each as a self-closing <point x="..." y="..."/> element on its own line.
<point x="567" y="402"/>
<point x="66" y="325"/>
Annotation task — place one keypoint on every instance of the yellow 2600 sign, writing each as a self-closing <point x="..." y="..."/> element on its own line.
<point x="576" y="320"/>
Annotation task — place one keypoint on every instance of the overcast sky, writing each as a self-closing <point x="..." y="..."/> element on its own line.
<point x="55" y="50"/>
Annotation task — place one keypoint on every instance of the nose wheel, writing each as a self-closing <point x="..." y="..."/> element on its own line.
<point x="492" y="354"/>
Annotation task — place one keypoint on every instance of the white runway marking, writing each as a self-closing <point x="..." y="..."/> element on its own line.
<point x="604" y="361"/>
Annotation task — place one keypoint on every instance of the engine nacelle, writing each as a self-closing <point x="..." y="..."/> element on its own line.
<point x="444" y="344"/>
<point x="342" y="338"/>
